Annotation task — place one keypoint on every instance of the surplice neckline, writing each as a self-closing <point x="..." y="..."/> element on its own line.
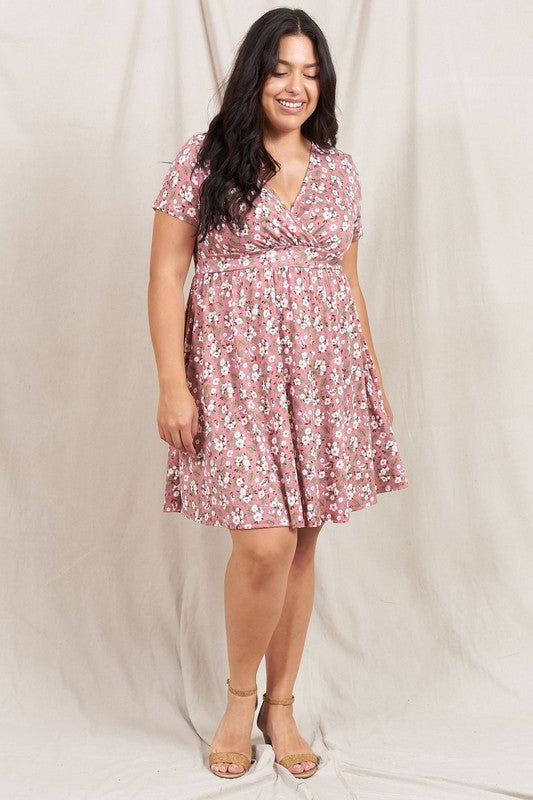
<point x="300" y="190"/>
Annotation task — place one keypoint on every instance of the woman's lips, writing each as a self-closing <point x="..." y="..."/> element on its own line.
<point x="291" y="110"/>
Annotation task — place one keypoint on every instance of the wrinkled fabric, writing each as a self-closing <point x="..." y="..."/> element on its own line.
<point x="292" y="428"/>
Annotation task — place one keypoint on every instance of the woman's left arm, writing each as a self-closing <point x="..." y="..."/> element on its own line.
<point x="349" y="263"/>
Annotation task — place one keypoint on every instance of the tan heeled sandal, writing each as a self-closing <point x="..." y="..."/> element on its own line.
<point x="232" y="758"/>
<point x="292" y="758"/>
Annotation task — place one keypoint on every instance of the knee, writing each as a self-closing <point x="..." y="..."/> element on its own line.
<point x="266" y="553"/>
<point x="304" y="553"/>
<point x="304" y="557"/>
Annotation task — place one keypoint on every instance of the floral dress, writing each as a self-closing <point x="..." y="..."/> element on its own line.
<point x="292" y="427"/>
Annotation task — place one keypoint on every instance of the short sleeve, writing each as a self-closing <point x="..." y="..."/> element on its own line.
<point x="357" y="230"/>
<point x="179" y="195"/>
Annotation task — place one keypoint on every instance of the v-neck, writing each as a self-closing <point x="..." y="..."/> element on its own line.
<point x="300" y="190"/>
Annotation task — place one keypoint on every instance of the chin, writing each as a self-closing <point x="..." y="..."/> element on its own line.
<point x="287" y="123"/>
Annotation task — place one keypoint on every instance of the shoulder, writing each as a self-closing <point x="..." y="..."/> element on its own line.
<point x="188" y="151"/>
<point x="340" y="160"/>
<point x="347" y="161"/>
<point x="196" y="139"/>
<point x="183" y="167"/>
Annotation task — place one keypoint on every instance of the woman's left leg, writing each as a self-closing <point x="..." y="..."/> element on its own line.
<point x="285" y="649"/>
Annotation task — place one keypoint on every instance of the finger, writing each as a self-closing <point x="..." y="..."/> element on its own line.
<point x="175" y="439"/>
<point x="195" y="425"/>
<point x="186" y="438"/>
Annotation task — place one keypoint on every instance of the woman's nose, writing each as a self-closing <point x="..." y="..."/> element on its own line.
<point x="295" y="84"/>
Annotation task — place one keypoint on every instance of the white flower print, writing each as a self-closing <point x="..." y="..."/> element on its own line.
<point x="292" y="426"/>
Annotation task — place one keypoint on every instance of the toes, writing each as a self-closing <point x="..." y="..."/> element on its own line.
<point x="302" y="767"/>
<point x="224" y="766"/>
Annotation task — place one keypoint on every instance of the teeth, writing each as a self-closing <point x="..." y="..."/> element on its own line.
<point x="289" y="104"/>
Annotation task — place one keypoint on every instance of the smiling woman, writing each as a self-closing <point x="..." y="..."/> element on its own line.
<point x="274" y="413"/>
<point x="289" y="97"/>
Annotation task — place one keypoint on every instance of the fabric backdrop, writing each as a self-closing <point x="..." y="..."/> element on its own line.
<point x="416" y="679"/>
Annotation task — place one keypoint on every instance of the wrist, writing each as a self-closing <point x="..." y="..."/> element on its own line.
<point x="170" y="383"/>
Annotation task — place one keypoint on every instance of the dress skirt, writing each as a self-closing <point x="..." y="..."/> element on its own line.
<point x="292" y="430"/>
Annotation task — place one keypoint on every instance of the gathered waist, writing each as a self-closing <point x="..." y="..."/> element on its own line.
<point x="290" y="256"/>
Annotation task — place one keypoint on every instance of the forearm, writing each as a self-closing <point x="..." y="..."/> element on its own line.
<point x="166" y="314"/>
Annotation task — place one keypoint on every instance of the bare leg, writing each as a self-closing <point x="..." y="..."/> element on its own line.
<point x="285" y="650"/>
<point x="254" y="591"/>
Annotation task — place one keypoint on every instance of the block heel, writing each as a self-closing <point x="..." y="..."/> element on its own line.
<point x="230" y="757"/>
<point x="292" y="758"/>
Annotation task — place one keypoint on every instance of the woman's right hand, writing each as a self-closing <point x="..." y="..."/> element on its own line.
<point x="177" y="419"/>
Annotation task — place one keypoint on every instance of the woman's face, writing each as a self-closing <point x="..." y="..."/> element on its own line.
<point x="295" y="79"/>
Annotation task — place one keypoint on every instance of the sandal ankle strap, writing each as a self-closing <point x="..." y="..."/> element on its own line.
<point x="241" y="692"/>
<point x="286" y="702"/>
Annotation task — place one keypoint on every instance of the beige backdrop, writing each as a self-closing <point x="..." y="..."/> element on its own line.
<point x="416" y="679"/>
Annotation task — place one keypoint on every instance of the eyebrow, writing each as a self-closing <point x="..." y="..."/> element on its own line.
<point x="290" y="64"/>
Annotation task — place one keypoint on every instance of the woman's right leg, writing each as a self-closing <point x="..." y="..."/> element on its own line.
<point x="254" y="593"/>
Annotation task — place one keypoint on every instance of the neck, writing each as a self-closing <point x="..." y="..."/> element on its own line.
<point x="281" y="141"/>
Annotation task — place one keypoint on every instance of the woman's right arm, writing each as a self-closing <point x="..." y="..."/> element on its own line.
<point x="172" y="248"/>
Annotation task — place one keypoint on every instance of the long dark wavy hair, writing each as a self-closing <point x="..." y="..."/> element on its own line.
<point x="233" y="146"/>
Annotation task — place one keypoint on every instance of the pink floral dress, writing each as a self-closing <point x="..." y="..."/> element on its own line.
<point x="292" y="427"/>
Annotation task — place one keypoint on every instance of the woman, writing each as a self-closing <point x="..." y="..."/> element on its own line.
<point x="271" y="396"/>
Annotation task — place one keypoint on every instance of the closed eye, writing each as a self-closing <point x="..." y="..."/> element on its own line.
<point x="280" y="74"/>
